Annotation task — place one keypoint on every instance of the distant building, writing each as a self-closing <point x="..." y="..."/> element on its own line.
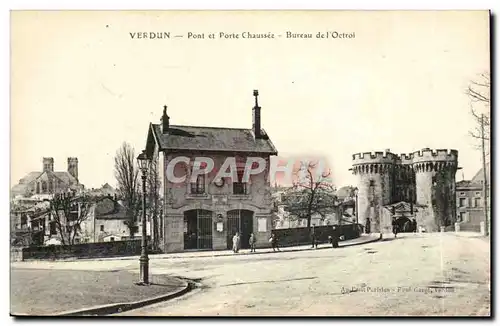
<point x="48" y="181"/>
<point x="105" y="190"/>
<point x="470" y="203"/>
<point x="424" y="179"/>
<point x="106" y="222"/>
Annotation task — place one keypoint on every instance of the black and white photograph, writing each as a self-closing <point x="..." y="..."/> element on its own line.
<point x="250" y="163"/>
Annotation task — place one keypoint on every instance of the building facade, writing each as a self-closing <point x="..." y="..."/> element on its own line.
<point x="470" y="201"/>
<point x="206" y="213"/>
<point x="424" y="179"/>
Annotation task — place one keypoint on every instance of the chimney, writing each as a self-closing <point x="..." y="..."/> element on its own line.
<point x="164" y="121"/>
<point x="256" y="116"/>
<point x="73" y="167"/>
<point x="48" y="164"/>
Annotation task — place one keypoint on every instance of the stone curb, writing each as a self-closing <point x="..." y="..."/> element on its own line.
<point x="122" y="307"/>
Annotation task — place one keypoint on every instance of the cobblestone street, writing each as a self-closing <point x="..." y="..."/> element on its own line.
<point x="415" y="274"/>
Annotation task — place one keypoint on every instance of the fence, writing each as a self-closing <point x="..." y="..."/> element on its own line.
<point x="79" y="251"/>
<point x="302" y="236"/>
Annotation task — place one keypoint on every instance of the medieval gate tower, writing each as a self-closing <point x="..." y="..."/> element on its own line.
<point x="425" y="179"/>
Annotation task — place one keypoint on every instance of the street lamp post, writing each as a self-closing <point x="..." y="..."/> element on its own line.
<point x="143" y="163"/>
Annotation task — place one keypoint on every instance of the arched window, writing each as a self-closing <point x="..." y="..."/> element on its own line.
<point x="44" y="187"/>
<point x="37" y="187"/>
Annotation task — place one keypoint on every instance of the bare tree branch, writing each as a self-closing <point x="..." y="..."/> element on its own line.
<point x="478" y="92"/>
<point x="68" y="211"/>
<point x="127" y="177"/>
<point x="311" y="193"/>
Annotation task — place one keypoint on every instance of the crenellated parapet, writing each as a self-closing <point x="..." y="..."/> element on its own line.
<point x="374" y="157"/>
<point x="405" y="159"/>
<point x="439" y="155"/>
<point x="373" y="162"/>
<point x="425" y="160"/>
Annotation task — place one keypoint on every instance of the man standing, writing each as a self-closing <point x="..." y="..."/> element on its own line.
<point x="394" y="228"/>
<point x="236" y="242"/>
<point x="252" y="242"/>
<point x="274" y="242"/>
<point x="313" y="238"/>
<point x="334" y="238"/>
<point x="414" y="225"/>
<point x="367" y="226"/>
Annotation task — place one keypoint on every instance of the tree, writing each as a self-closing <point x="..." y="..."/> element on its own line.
<point x="153" y="201"/>
<point x="479" y="95"/>
<point x="312" y="193"/>
<point x="68" y="211"/>
<point x="127" y="178"/>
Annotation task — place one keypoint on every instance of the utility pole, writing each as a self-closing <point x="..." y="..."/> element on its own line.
<point x="485" y="182"/>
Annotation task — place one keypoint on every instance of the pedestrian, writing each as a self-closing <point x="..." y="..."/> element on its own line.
<point x="414" y="225"/>
<point x="236" y="240"/>
<point x="274" y="242"/>
<point x="367" y="226"/>
<point x="395" y="228"/>
<point x="314" y="241"/>
<point x="252" y="242"/>
<point x="334" y="237"/>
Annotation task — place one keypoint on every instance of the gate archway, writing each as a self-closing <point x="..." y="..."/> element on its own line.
<point x="198" y="229"/>
<point x="241" y="221"/>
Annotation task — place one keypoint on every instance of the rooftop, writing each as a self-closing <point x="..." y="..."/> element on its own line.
<point x="212" y="139"/>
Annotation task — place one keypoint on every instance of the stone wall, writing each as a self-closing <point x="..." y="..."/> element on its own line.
<point x="86" y="250"/>
<point x="302" y="236"/>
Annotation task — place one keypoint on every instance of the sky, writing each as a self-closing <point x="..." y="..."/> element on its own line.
<point x="81" y="85"/>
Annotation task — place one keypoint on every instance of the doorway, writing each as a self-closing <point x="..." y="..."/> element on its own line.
<point x="198" y="229"/>
<point x="241" y="221"/>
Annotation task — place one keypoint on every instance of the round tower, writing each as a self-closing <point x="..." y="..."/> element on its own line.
<point x="374" y="174"/>
<point x="435" y="186"/>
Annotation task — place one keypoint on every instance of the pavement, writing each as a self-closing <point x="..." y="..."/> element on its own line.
<point x="70" y="292"/>
<point x="363" y="239"/>
<point x="428" y="274"/>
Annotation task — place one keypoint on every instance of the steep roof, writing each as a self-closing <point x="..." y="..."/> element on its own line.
<point x="109" y="208"/>
<point x="211" y="139"/>
<point x="402" y="207"/>
<point x="480" y="175"/>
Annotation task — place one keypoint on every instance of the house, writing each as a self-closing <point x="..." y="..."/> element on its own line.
<point x="106" y="222"/>
<point x="470" y="201"/>
<point x="204" y="210"/>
